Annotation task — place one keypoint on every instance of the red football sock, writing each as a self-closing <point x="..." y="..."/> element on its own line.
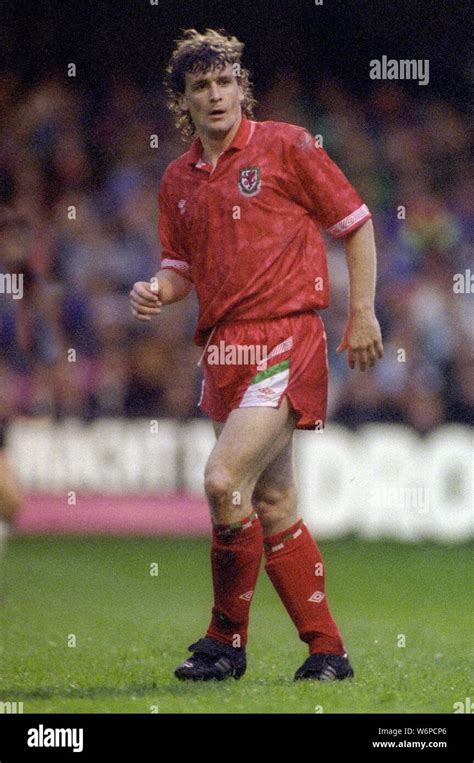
<point x="236" y="554"/>
<point x="295" y="567"/>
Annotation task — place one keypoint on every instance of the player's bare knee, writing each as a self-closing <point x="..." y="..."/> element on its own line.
<point x="273" y="495"/>
<point x="219" y="485"/>
<point x="274" y="506"/>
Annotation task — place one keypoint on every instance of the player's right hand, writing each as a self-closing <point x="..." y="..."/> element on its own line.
<point x="145" y="300"/>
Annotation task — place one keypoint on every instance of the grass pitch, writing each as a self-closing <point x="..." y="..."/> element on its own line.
<point x="131" y="628"/>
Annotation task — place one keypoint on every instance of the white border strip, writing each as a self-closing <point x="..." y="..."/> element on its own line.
<point x="343" y="226"/>
<point x="178" y="264"/>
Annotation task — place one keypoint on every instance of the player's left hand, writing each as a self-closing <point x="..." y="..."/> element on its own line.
<point x="362" y="339"/>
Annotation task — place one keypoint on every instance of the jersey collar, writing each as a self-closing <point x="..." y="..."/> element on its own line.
<point x="241" y="138"/>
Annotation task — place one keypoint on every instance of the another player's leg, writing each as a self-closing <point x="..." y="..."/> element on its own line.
<point x="296" y="568"/>
<point x="10" y="498"/>
<point x="248" y="442"/>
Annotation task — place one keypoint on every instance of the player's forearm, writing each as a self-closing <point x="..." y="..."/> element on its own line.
<point x="173" y="287"/>
<point x="362" y="266"/>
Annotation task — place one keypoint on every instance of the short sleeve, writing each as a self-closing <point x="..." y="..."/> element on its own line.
<point x="322" y="188"/>
<point x="173" y="254"/>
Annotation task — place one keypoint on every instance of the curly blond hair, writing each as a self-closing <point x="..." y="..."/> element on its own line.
<point x="197" y="53"/>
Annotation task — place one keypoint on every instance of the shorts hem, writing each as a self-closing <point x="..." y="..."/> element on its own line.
<point x="208" y="413"/>
<point x="302" y="415"/>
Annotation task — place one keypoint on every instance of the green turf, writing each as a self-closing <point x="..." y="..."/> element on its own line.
<point x="132" y="628"/>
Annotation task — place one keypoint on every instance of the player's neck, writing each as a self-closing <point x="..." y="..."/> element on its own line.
<point x="214" y="147"/>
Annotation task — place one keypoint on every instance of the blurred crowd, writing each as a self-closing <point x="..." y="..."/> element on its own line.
<point x="79" y="179"/>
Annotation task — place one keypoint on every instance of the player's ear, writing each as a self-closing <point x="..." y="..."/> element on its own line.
<point x="183" y="103"/>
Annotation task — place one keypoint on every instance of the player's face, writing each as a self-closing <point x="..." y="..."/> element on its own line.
<point x="213" y="100"/>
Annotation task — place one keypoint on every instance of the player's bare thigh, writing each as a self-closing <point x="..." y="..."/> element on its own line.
<point x="248" y="442"/>
<point x="274" y="496"/>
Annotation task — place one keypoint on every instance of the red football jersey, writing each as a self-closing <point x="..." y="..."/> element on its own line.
<point x="248" y="232"/>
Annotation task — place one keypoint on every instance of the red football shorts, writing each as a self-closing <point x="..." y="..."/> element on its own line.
<point x="257" y="363"/>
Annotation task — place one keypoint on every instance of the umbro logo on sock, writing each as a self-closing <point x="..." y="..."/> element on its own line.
<point x="317" y="596"/>
<point x="246" y="596"/>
